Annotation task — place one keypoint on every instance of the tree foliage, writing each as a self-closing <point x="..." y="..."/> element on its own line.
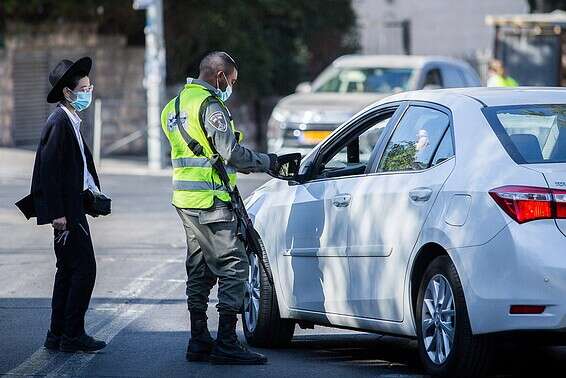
<point x="110" y="16"/>
<point x="278" y="43"/>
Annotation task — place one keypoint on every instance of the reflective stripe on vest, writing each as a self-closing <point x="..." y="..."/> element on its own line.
<point x="195" y="182"/>
<point x="195" y="185"/>
<point x="197" y="162"/>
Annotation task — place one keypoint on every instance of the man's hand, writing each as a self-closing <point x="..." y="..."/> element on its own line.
<point x="60" y="224"/>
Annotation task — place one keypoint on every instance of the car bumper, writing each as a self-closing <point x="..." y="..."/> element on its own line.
<point x="522" y="265"/>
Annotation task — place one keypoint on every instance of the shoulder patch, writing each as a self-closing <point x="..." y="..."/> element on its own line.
<point x="218" y="121"/>
<point x="172" y="120"/>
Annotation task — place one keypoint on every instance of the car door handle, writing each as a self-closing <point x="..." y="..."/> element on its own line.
<point x="420" y="194"/>
<point x="341" y="200"/>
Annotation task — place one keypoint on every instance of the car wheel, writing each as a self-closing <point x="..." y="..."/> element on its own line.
<point x="263" y="326"/>
<point x="446" y="344"/>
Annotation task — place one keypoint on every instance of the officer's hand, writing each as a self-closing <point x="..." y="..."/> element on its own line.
<point x="273" y="163"/>
<point x="60" y="224"/>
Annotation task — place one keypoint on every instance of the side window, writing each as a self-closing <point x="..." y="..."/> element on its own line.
<point x="472" y="79"/>
<point x="453" y="77"/>
<point x="352" y="156"/>
<point x="433" y="78"/>
<point x="445" y="149"/>
<point x="415" y="140"/>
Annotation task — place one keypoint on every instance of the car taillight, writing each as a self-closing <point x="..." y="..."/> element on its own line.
<point x="527" y="203"/>
<point x="560" y="200"/>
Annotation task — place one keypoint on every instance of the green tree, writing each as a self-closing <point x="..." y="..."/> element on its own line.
<point x="277" y="42"/>
<point x="110" y="16"/>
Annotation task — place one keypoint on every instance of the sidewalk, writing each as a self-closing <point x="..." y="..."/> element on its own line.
<point x="18" y="163"/>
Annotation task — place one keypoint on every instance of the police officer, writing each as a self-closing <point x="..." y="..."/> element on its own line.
<point x="214" y="250"/>
<point x="498" y="76"/>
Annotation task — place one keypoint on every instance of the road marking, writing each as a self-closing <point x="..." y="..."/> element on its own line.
<point x="77" y="362"/>
<point x="45" y="362"/>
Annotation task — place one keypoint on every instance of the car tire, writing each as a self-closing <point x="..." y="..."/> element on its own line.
<point x="468" y="355"/>
<point x="268" y="330"/>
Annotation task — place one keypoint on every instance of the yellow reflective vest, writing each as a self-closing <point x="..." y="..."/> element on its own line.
<point x="195" y="182"/>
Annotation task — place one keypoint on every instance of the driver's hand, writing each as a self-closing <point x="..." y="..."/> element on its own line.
<point x="273" y="163"/>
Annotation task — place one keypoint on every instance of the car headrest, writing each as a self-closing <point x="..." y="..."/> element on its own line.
<point x="559" y="151"/>
<point x="528" y="146"/>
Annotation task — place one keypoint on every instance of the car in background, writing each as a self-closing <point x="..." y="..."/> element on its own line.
<point x="300" y="121"/>
<point x="438" y="215"/>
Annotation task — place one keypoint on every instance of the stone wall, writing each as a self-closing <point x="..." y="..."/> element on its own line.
<point x="117" y="75"/>
<point x="6" y="103"/>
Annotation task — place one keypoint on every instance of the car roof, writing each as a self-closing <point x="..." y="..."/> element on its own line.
<point x="394" y="61"/>
<point x="487" y="96"/>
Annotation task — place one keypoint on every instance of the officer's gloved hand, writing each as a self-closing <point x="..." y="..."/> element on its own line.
<point x="273" y="163"/>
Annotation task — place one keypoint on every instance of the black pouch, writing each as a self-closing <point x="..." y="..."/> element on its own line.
<point x="96" y="204"/>
<point x="27" y="206"/>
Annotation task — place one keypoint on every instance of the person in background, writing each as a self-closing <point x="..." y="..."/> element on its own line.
<point x="63" y="172"/>
<point x="498" y="77"/>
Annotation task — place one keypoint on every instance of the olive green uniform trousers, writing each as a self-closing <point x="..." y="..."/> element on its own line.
<point x="214" y="252"/>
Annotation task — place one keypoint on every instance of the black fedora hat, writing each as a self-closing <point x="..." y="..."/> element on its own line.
<point x="61" y="74"/>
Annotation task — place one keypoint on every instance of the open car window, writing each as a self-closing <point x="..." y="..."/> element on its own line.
<point x="351" y="156"/>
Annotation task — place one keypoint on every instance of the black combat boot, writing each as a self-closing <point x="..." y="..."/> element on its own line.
<point x="228" y="350"/>
<point x="52" y="341"/>
<point x="200" y="343"/>
<point x="83" y="343"/>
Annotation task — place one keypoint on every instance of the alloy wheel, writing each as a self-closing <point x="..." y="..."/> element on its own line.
<point x="252" y="295"/>
<point x="438" y="319"/>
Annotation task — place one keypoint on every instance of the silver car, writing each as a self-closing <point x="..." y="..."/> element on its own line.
<point x="351" y="82"/>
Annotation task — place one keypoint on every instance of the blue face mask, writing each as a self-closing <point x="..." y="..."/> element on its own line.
<point x="224" y="94"/>
<point x="82" y="101"/>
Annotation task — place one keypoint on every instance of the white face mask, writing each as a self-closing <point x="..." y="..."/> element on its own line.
<point x="224" y="94"/>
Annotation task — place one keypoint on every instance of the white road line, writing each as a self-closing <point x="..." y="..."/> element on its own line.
<point x="74" y="365"/>
<point x="43" y="360"/>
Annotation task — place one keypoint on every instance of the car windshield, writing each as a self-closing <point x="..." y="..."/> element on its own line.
<point x="537" y="133"/>
<point x="369" y="80"/>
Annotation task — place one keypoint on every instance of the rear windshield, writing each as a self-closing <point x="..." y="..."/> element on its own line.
<point x="531" y="133"/>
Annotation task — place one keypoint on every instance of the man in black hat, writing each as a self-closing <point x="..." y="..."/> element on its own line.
<point x="63" y="172"/>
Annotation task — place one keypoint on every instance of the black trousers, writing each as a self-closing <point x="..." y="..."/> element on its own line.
<point x="74" y="280"/>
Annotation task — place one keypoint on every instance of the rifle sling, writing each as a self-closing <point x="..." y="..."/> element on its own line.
<point x="216" y="162"/>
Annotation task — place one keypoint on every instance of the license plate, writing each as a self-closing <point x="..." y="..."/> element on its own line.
<point x="314" y="136"/>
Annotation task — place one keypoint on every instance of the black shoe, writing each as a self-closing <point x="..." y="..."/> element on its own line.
<point x="200" y="343"/>
<point x="52" y="341"/>
<point x="83" y="343"/>
<point x="228" y="350"/>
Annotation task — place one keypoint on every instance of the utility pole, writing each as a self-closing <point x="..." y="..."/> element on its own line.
<point x="154" y="80"/>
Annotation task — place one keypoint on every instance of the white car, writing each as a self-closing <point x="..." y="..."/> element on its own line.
<point x="349" y="84"/>
<point x="438" y="214"/>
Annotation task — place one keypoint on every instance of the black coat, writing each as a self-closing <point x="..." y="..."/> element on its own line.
<point x="57" y="182"/>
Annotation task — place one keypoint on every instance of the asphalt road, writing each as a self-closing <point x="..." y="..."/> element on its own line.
<point x="139" y="303"/>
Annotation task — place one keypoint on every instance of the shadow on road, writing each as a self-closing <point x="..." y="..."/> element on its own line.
<point x="400" y="355"/>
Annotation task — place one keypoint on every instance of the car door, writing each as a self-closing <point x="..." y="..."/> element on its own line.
<point x="314" y="264"/>
<point x="389" y="206"/>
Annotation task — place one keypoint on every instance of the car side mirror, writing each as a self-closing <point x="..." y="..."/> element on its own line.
<point x="288" y="167"/>
<point x="304" y="87"/>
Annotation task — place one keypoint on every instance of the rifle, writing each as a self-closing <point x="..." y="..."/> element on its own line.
<point x="245" y="229"/>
